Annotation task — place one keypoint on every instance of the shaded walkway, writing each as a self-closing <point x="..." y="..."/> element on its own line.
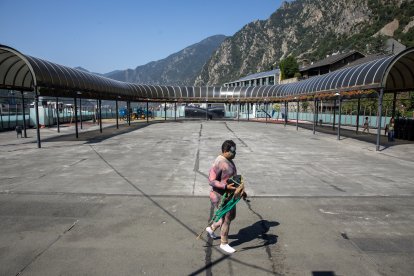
<point x="94" y="136"/>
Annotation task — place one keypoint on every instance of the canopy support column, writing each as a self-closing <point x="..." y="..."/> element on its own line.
<point x="314" y="115"/>
<point x="380" y="96"/>
<point x="96" y="113"/>
<point x="147" y="113"/>
<point x="76" y="117"/>
<point x="394" y="103"/>
<point x="339" y="118"/>
<point x="248" y="111"/>
<point x="286" y="114"/>
<point x="317" y="111"/>
<point x="1" y="120"/>
<point x="357" y="118"/>
<point x="297" y="117"/>
<point x="334" y="110"/>
<point x="80" y="112"/>
<point x="117" y="115"/>
<point x="129" y="112"/>
<point x="238" y="111"/>
<point x="100" y="115"/>
<point x="57" y="115"/>
<point x="24" y="116"/>
<point x="175" y="111"/>
<point x="49" y="112"/>
<point x="37" y="118"/>
<point x="165" y="111"/>
<point x="206" y="111"/>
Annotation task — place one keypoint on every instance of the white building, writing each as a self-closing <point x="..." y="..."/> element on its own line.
<point x="262" y="78"/>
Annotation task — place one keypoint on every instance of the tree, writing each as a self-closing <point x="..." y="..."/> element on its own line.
<point x="288" y="67"/>
<point x="387" y="104"/>
<point x="409" y="102"/>
<point x="377" y="45"/>
<point x="305" y="106"/>
<point x="276" y="108"/>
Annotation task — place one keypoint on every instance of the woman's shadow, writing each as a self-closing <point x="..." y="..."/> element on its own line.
<point x="258" y="230"/>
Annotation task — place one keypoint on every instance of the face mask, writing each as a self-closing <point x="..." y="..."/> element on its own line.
<point x="232" y="151"/>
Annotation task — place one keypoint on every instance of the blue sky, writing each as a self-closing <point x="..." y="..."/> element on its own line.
<point x="102" y="36"/>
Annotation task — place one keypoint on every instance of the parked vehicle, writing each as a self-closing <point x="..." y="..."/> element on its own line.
<point x="199" y="112"/>
<point x="136" y="113"/>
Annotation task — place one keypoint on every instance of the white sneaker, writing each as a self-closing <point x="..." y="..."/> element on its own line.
<point x="227" y="248"/>
<point x="211" y="233"/>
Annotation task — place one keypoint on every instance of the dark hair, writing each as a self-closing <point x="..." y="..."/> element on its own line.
<point x="227" y="145"/>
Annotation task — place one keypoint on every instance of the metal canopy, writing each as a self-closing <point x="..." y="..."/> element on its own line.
<point x="393" y="73"/>
<point x="20" y="72"/>
<point x="25" y="73"/>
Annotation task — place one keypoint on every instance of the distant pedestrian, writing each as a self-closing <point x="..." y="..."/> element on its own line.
<point x="19" y="131"/>
<point x="96" y="114"/>
<point x="391" y="130"/>
<point x="366" y="125"/>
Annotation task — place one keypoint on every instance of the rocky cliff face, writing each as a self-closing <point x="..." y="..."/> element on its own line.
<point x="178" y="69"/>
<point x="309" y="29"/>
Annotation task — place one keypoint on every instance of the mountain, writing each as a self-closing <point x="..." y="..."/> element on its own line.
<point x="111" y="73"/>
<point x="86" y="70"/>
<point x="99" y="74"/>
<point x="180" y="68"/>
<point x="82" y="69"/>
<point x="309" y="30"/>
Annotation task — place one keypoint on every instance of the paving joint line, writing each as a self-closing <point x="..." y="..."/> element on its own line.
<point x="197" y="160"/>
<point x="178" y="221"/>
<point x="49" y="246"/>
<point x="6" y="192"/>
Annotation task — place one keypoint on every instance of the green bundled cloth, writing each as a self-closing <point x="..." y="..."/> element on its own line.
<point x="229" y="200"/>
<point x="226" y="207"/>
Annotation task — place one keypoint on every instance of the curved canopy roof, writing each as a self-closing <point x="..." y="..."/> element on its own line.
<point x="22" y="72"/>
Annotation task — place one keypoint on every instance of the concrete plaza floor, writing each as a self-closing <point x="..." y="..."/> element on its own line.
<point x="131" y="202"/>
